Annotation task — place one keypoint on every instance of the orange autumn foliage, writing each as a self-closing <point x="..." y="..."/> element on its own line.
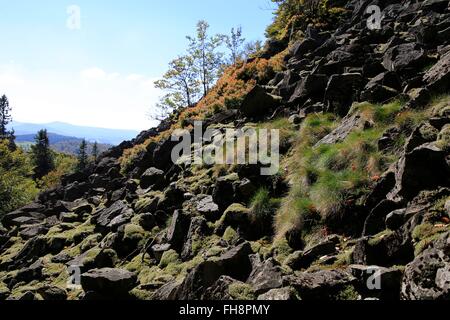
<point x="229" y="91"/>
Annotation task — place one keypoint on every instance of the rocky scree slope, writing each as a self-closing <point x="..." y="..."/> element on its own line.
<point x="364" y="186"/>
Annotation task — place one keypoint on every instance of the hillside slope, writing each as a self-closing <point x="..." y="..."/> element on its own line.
<point x="359" y="208"/>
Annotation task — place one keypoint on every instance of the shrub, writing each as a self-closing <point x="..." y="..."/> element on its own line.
<point x="262" y="211"/>
<point x="241" y="291"/>
<point x="293" y="16"/>
<point x="16" y="185"/>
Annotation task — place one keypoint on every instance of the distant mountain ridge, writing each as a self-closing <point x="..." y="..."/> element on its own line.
<point x="59" y="143"/>
<point x="100" y="135"/>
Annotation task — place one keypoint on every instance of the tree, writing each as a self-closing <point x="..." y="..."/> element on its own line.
<point x="5" y="119"/>
<point x="82" y="156"/>
<point x="208" y="61"/>
<point x="181" y="78"/>
<point x="5" y="116"/>
<point x="234" y="43"/>
<point x="252" y="48"/>
<point x="95" y="151"/>
<point x="16" y="186"/>
<point x="42" y="155"/>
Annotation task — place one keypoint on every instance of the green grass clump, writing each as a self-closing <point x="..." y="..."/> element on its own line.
<point x="427" y="233"/>
<point x="262" y="210"/>
<point x="169" y="257"/>
<point x="230" y="235"/>
<point x="348" y="293"/>
<point x="241" y="291"/>
<point x="134" y="232"/>
<point x="327" y="178"/>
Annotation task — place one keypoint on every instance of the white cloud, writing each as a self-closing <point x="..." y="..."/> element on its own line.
<point x="93" y="73"/>
<point x="94" y="98"/>
<point x="135" y="77"/>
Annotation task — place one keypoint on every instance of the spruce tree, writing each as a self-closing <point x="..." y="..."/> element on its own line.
<point x="5" y="117"/>
<point x="42" y="155"/>
<point x="95" y="152"/>
<point x="82" y="156"/>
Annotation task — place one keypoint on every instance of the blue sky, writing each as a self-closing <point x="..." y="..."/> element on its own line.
<point x="102" y="73"/>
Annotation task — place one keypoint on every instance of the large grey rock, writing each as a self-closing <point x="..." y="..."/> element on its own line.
<point x="301" y="260"/>
<point x="438" y="77"/>
<point x="428" y="276"/>
<point x="167" y="292"/>
<point x="208" y="208"/>
<point x="258" y="102"/>
<point x="220" y="290"/>
<point x="266" y="275"/>
<point x="104" y="216"/>
<point x="341" y="91"/>
<point x="234" y="263"/>
<point x="349" y="124"/>
<point x="109" y="282"/>
<point x="403" y="56"/>
<point x="178" y="229"/>
<point x="152" y="177"/>
<point x="197" y="230"/>
<point x="320" y="285"/>
<point x="281" y="294"/>
<point x="424" y="168"/>
<point x="311" y="86"/>
<point x="378" y="282"/>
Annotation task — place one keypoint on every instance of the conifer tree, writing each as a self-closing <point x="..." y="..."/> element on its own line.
<point x="95" y="152"/>
<point x="42" y="155"/>
<point x="82" y="156"/>
<point x="5" y="117"/>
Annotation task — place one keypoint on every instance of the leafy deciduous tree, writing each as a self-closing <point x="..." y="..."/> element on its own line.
<point x="203" y="48"/>
<point x="16" y="186"/>
<point x="234" y="43"/>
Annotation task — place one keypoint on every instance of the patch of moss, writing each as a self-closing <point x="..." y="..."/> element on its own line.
<point x="214" y="251"/>
<point x="12" y="251"/>
<point x="375" y="240"/>
<point x="235" y="212"/>
<point x="443" y="140"/>
<point x="169" y="257"/>
<point x="230" y="235"/>
<point x="241" y="291"/>
<point x="344" y="258"/>
<point x="141" y="295"/>
<point x="348" y="293"/>
<point x="73" y="233"/>
<point x="4" y="291"/>
<point x="281" y="249"/>
<point x="134" y="232"/>
<point x="154" y="276"/>
<point x="425" y="234"/>
<point x="136" y="264"/>
<point x="148" y="203"/>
